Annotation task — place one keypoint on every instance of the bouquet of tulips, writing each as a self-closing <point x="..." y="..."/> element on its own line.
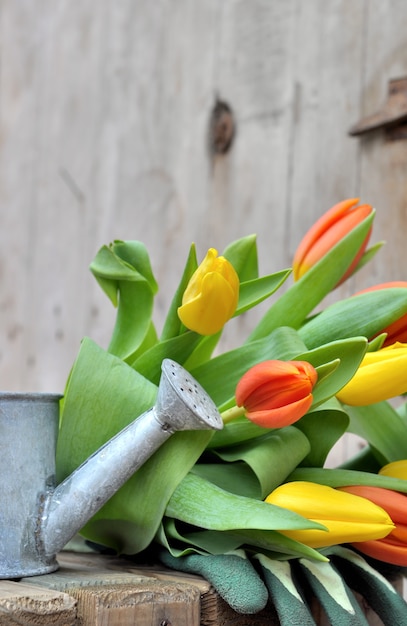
<point x="254" y="502"/>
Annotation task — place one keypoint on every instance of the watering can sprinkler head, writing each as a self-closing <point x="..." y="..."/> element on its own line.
<point x="37" y="518"/>
<point x="182" y="404"/>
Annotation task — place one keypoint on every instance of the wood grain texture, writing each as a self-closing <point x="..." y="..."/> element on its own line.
<point x="23" y="604"/>
<point x="104" y="134"/>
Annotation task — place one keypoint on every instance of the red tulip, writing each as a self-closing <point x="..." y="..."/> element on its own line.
<point x="397" y="331"/>
<point x="276" y="393"/>
<point x="331" y="227"/>
<point x="392" y="548"/>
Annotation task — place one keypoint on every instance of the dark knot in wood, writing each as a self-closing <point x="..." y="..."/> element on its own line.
<point x="221" y="128"/>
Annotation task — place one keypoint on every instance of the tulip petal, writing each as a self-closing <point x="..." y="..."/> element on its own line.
<point x="281" y="416"/>
<point x="318" y="229"/>
<point x="331" y="237"/>
<point x="384" y="550"/>
<point x="381" y="376"/>
<point x="208" y="312"/>
<point x="391" y="501"/>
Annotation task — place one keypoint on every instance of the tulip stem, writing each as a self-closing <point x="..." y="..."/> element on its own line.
<point x="231" y="414"/>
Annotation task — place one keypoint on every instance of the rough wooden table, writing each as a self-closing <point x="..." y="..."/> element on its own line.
<point x="100" y="590"/>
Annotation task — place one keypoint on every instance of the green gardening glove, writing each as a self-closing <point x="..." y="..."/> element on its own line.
<point x="232" y="575"/>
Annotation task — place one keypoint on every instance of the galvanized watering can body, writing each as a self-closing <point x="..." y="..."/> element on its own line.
<point x="38" y="518"/>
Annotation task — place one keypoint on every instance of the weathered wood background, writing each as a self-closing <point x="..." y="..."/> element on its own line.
<point x="104" y="133"/>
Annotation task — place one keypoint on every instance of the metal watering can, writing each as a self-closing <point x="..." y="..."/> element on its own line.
<point x="37" y="518"/>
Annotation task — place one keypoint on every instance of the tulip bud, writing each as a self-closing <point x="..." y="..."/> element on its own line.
<point x="380" y="376"/>
<point x="331" y="227"/>
<point x="392" y="548"/>
<point x="276" y="393"/>
<point x="395" y="469"/>
<point x="397" y="331"/>
<point x="347" y="517"/>
<point x="211" y="296"/>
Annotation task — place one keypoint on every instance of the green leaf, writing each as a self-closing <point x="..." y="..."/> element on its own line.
<point x="177" y="348"/>
<point x="237" y="477"/>
<point x="364" y="314"/>
<point x="382" y="427"/>
<point x="242" y="254"/>
<point x="236" y="431"/>
<point x="368" y="256"/>
<point x="271" y="457"/>
<point x="123" y="270"/>
<point x="202" y="541"/>
<point x="273" y="541"/>
<point x="201" y="503"/>
<point x="254" y="291"/>
<point x="203" y="351"/>
<point x="350" y="353"/>
<point x="322" y="427"/>
<point x="344" y="477"/>
<point x="172" y="325"/>
<point x="103" y="395"/>
<point x="293" y="307"/>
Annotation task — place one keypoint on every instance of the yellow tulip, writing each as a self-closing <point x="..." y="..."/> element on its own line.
<point x="348" y="518"/>
<point x="381" y="376"/>
<point x="396" y="469"/>
<point x="211" y="296"/>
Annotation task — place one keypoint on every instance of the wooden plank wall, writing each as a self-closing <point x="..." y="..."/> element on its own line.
<point x="104" y="134"/>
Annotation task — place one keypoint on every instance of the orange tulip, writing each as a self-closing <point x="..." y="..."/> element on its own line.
<point x="276" y="393"/>
<point x="392" y="548"/>
<point x="331" y="227"/>
<point x="397" y="331"/>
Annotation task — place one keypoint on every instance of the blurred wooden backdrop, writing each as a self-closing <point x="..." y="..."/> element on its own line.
<point x="105" y="110"/>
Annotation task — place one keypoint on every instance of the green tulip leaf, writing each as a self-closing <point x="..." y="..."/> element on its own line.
<point x="255" y="291"/>
<point x="124" y="272"/>
<point x="368" y="255"/>
<point x="271" y="457"/>
<point x="350" y="353"/>
<point x="322" y="427"/>
<point x="294" y="306"/>
<point x="344" y="477"/>
<point x="282" y="547"/>
<point x="180" y="543"/>
<point x="203" y="351"/>
<point x="382" y="427"/>
<point x="242" y="254"/>
<point x="201" y="503"/>
<point x="177" y="348"/>
<point x="364" y="314"/>
<point x="173" y="325"/>
<point x="238" y="430"/>
<point x="103" y="395"/>
<point x="201" y="541"/>
<point x="236" y="477"/>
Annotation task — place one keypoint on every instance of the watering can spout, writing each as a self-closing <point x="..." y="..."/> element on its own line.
<point x="48" y="517"/>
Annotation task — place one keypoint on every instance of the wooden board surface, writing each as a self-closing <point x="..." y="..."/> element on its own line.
<point x="99" y="590"/>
